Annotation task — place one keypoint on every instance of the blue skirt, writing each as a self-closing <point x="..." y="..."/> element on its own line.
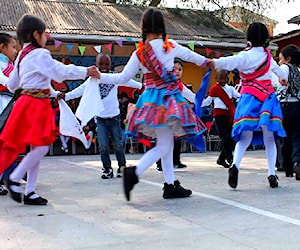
<point x="160" y="108"/>
<point x="251" y="114"/>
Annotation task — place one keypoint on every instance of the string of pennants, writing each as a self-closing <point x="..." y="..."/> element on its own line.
<point x="119" y="41"/>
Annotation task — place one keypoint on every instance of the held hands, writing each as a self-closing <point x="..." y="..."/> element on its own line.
<point x="93" y="72"/>
<point x="210" y="63"/>
<point x="283" y="82"/>
<point x="61" y="95"/>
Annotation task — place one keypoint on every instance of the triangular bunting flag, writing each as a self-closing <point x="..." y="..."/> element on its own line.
<point x="235" y="53"/>
<point x="191" y="45"/>
<point x="81" y="49"/>
<point x="208" y="51"/>
<point x="274" y="53"/>
<point x="69" y="46"/>
<point x="218" y="54"/>
<point x="109" y="46"/>
<point x="129" y="39"/>
<point x="119" y="42"/>
<point x="98" y="48"/>
<point x="57" y="43"/>
<point x="136" y="45"/>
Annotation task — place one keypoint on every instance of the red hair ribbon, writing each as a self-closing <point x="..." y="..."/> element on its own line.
<point x="168" y="45"/>
<point x="139" y="51"/>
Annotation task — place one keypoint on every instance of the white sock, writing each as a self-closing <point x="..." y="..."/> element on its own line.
<point x="241" y="147"/>
<point x="271" y="151"/>
<point x="163" y="149"/>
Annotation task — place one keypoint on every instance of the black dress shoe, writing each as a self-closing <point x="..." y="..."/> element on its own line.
<point x="129" y="180"/>
<point x="180" y="166"/>
<point x="3" y="191"/>
<point x="233" y="176"/>
<point x="39" y="201"/>
<point x="223" y="163"/>
<point x="273" y="181"/>
<point x="16" y="196"/>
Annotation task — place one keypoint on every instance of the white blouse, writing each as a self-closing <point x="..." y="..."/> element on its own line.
<point x="247" y="61"/>
<point x="167" y="59"/>
<point x="38" y="68"/>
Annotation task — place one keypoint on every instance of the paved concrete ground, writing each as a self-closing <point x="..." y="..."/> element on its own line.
<point x="86" y="212"/>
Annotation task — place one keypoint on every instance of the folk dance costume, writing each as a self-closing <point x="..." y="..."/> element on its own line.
<point x="258" y="108"/>
<point x="6" y="68"/>
<point x="161" y="111"/>
<point x="223" y="114"/>
<point x="31" y="121"/>
<point x="162" y="103"/>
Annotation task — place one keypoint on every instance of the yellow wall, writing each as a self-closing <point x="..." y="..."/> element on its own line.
<point x="192" y="74"/>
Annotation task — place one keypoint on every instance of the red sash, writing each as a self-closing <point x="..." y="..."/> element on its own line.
<point x="24" y="52"/>
<point x="259" y="88"/>
<point x="218" y="91"/>
<point x="6" y="72"/>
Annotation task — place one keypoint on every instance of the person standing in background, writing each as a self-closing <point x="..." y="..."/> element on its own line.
<point x="221" y="94"/>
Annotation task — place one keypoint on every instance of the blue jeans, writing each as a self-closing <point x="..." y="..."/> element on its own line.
<point x="110" y="127"/>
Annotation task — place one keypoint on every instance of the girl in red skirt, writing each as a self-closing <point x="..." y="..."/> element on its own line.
<point x="31" y="121"/>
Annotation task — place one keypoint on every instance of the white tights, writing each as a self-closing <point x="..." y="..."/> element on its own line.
<point x="244" y="142"/>
<point x="29" y="164"/>
<point x="163" y="150"/>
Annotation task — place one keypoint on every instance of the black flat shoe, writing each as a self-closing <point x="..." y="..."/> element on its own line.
<point x="273" y="181"/>
<point x="3" y="191"/>
<point x="223" y="163"/>
<point x="39" y="201"/>
<point x="129" y="180"/>
<point x="16" y="196"/>
<point x="233" y="176"/>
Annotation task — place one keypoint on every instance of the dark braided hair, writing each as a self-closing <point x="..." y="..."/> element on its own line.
<point x="153" y="22"/>
<point x="26" y="26"/>
<point x="258" y="35"/>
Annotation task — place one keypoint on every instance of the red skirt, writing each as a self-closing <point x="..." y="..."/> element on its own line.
<point x="31" y="122"/>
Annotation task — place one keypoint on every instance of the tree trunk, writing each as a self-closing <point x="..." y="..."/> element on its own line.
<point x="154" y="3"/>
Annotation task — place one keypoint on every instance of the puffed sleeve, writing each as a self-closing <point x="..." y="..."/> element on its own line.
<point x="57" y="70"/>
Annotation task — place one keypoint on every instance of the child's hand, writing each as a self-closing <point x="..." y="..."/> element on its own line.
<point x="283" y="82"/>
<point x="93" y="72"/>
<point x="210" y="63"/>
<point x="61" y="95"/>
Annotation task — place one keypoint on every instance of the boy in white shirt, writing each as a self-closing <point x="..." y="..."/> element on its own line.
<point x="108" y="120"/>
